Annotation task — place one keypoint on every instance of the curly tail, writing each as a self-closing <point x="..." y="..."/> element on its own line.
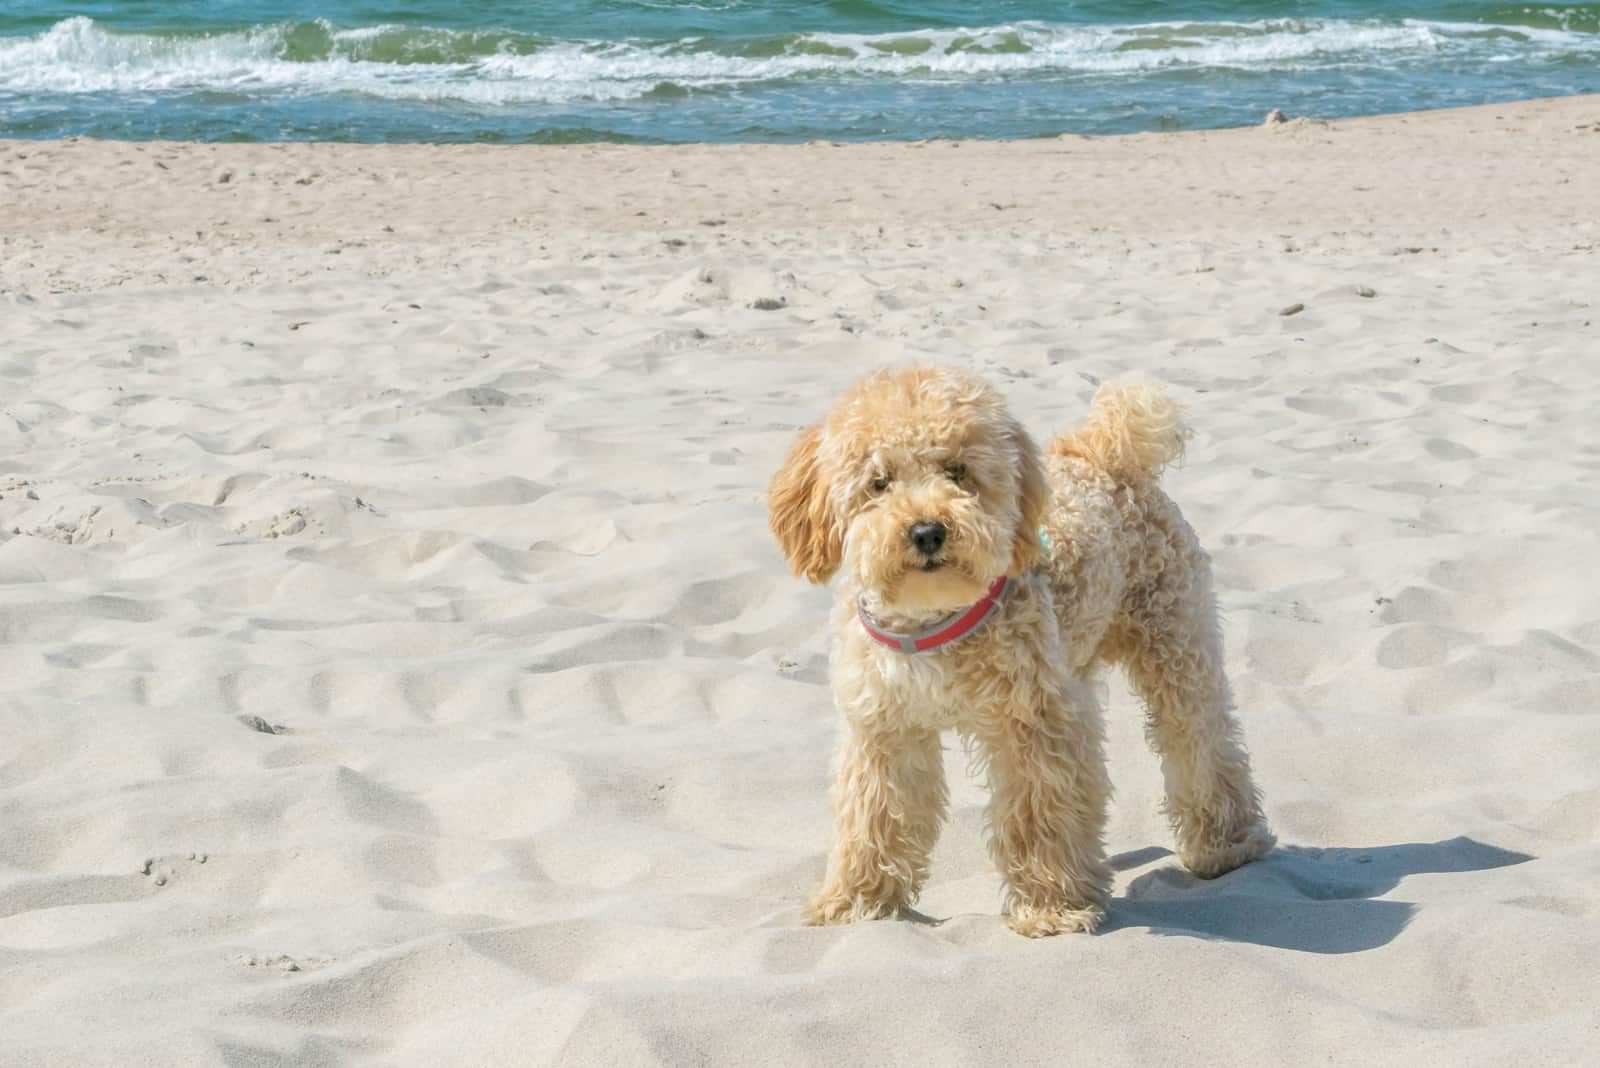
<point x="1132" y="432"/>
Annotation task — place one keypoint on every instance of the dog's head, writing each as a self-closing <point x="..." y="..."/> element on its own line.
<point x="920" y="483"/>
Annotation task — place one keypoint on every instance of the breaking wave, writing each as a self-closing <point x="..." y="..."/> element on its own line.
<point x="487" y="67"/>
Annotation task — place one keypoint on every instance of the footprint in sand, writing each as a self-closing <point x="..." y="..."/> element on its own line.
<point x="1445" y="449"/>
<point x="1413" y="645"/>
<point x="1328" y="407"/>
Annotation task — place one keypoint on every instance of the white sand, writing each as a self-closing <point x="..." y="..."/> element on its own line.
<point x="446" y="465"/>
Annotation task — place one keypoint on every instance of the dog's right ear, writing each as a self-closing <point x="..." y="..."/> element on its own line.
<point x="799" y="512"/>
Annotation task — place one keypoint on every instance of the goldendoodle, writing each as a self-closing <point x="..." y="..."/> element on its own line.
<point x="983" y="585"/>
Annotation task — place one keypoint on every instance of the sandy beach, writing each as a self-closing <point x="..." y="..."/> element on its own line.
<point x="396" y="668"/>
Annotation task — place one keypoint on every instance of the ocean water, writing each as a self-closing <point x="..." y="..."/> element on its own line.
<point x="759" y="70"/>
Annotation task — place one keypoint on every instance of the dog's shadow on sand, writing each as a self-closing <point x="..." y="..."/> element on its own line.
<point x="1310" y="900"/>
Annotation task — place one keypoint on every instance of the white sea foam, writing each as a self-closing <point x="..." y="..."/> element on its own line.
<point x="78" y="56"/>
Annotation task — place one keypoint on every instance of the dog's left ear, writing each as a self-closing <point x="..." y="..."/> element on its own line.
<point x="1033" y="497"/>
<point x="800" y="515"/>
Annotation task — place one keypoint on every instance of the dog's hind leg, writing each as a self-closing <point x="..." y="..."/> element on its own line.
<point x="889" y="797"/>
<point x="1173" y="655"/>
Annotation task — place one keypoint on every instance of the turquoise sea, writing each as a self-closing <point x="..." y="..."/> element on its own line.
<point x="759" y="70"/>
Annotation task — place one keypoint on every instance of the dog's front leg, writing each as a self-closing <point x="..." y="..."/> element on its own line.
<point x="1047" y="815"/>
<point x="888" y="800"/>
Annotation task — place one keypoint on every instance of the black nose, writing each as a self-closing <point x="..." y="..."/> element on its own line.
<point x="927" y="537"/>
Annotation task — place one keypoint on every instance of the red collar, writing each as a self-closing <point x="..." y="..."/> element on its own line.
<point x="947" y="632"/>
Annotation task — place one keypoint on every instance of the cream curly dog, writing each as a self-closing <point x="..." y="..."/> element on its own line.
<point x="982" y="586"/>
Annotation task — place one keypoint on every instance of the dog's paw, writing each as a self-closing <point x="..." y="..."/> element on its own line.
<point x="1209" y="859"/>
<point x="1044" y="922"/>
<point x="830" y="909"/>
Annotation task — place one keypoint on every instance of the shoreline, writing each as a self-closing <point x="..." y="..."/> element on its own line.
<point x="1523" y="102"/>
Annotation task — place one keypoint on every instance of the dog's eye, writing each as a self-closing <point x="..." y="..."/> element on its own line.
<point x="880" y="483"/>
<point x="956" y="472"/>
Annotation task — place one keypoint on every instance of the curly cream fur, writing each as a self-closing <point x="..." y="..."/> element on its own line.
<point x="1123" y="581"/>
<point x="798" y="512"/>
<point x="1132" y="432"/>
